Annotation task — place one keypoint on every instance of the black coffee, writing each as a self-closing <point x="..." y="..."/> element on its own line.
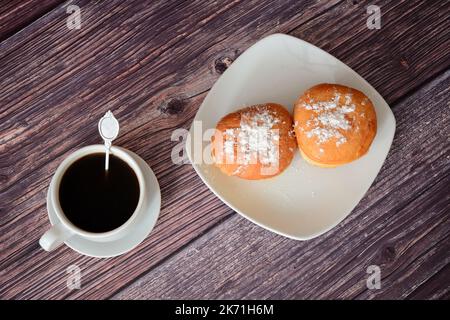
<point x="96" y="200"/>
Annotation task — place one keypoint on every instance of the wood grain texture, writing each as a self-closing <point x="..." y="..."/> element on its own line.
<point x="17" y="14"/>
<point x="391" y="58"/>
<point x="158" y="59"/>
<point x="402" y="225"/>
<point x="152" y="64"/>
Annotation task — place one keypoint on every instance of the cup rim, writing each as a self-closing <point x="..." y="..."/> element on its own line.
<point x="67" y="162"/>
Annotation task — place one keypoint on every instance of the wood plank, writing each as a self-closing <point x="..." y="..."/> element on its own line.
<point x="402" y="226"/>
<point x="145" y="46"/>
<point x="392" y="57"/>
<point x="152" y="64"/>
<point x="433" y="288"/>
<point x="17" y="14"/>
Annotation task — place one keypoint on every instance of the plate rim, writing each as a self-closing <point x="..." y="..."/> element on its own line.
<point x="390" y="116"/>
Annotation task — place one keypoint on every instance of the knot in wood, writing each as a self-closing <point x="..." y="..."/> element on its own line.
<point x="221" y="64"/>
<point x="388" y="253"/>
<point x="173" y="106"/>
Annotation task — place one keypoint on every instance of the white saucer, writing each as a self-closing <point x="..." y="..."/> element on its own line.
<point x="145" y="222"/>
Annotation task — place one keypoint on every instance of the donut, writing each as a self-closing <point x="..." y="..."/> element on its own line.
<point x="254" y="143"/>
<point x="334" y="124"/>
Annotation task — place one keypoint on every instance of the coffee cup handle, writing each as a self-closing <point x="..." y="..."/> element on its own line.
<point x="54" y="237"/>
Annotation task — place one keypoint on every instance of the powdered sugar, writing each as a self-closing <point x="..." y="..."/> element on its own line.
<point x="228" y="144"/>
<point x="255" y="139"/>
<point x="330" y="119"/>
<point x="323" y="135"/>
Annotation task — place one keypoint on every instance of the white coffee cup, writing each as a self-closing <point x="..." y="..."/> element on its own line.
<point x="64" y="229"/>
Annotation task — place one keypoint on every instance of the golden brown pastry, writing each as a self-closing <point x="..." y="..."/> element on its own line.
<point x="334" y="124"/>
<point x="256" y="142"/>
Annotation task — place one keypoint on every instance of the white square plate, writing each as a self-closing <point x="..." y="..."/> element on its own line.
<point x="304" y="201"/>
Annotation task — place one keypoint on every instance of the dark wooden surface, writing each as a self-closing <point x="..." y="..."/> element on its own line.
<point x="152" y="63"/>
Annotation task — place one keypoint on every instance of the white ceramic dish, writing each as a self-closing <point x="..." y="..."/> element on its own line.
<point x="304" y="201"/>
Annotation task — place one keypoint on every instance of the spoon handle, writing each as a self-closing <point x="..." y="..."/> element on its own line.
<point x="107" y="160"/>
<point x="107" y="147"/>
<point x="108" y="127"/>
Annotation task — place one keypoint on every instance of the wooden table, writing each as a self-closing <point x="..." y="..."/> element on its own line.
<point x="152" y="63"/>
